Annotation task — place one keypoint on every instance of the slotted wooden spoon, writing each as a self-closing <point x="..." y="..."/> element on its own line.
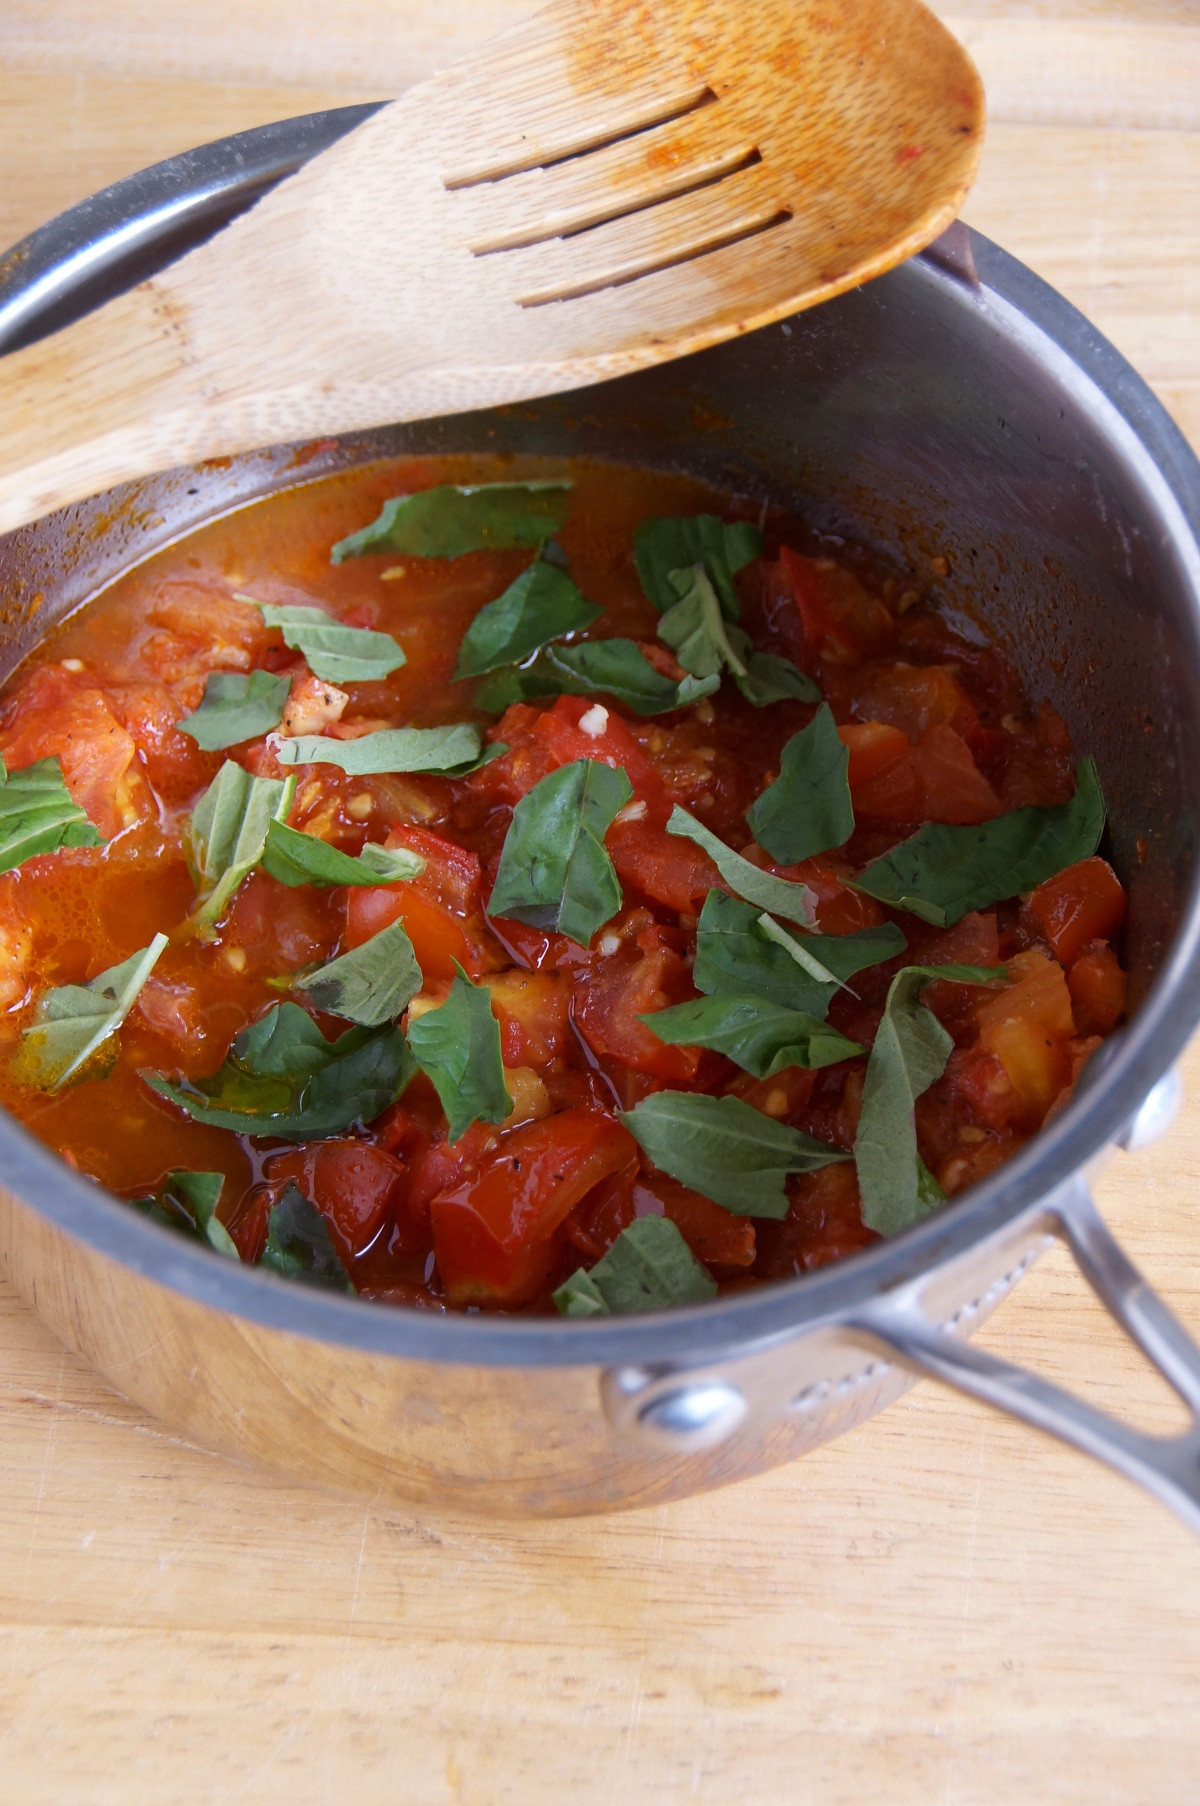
<point x="609" y="185"/>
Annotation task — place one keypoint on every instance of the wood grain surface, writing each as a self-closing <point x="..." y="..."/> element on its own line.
<point x="941" y="1608"/>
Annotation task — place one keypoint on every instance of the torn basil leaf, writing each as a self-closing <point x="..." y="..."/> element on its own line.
<point x="37" y="814"/>
<point x="669" y="543"/>
<point x="555" y="873"/>
<point x="296" y="858"/>
<point x="283" y="1078"/>
<point x="452" y="519"/>
<point x="737" y="954"/>
<point x="370" y="984"/>
<point x="759" y="1036"/>
<point x="941" y="873"/>
<point x="705" y="642"/>
<point x="227" y="834"/>
<point x="541" y="605"/>
<point x="237" y="706"/>
<point x="795" y="902"/>
<point x="910" y="1052"/>
<point x="335" y="653"/>
<point x="457" y="1047"/>
<point x="443" y="751"/>
<point x="648" y="1268"/>
<point x="616" y="668"/>
<point x="72" y="1022"/>
<point x="298" y="1244"/>
<point x="187" y="1203"/>
<point x="807" y="809"/>
<point x="725" y="1149"/>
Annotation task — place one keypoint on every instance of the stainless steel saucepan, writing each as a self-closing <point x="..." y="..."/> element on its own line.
<point x="956" y="408"/>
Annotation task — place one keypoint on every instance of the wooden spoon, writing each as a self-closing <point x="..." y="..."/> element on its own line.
<point x="609" y="185"/>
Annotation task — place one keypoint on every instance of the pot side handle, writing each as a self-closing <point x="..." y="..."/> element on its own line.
<point x="1168" y="1467"/>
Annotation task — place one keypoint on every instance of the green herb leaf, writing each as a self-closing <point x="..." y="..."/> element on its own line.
<point x="369" y="984"/>
<point x="769" y="678"/>
<point x="457" y="1047"/>
<point x="543" y="604"/>
<point x="807" y="809"/>
<point x="742" y="952"/>
<point x="335" y="653"/>
<point x="725" y="1149"/>
<point x="695" y="628"/>
<point x="446" y="751"/>
<point x="761" y="1037"/>
<point x="37" y="814"/>
<point x="615" y="668"/>
<point x="72" y="1022"/>
<point x="452" y="519"/>
<point x="237" y="706"/>
<point x="910" y="1053"/>
<point x="795" y="902"/>
<point x="283" y="1078"/>
<point x="298" y="1244"/>
<point x="188" y="1204"/>
<point x="227" y="834"/>
<point x="648" y="1268"/>
<point x="554" y="871"/>
<point x="673" y="542"/>
<point x="941" y="873"/>
<point x="296" y="858"/>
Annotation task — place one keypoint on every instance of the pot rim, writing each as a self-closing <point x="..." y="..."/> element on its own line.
<point x="65" y="255"/>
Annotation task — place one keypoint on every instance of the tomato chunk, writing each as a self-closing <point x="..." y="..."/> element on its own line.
<point x="616" y="990"/>
<point x="1097" y="986"/>
<point x="495" y="1232"/>
<point x="874" y="748"/>
<point x="913" y="698"/>
<point x="711" y="1232"/>
<point x="62" y="712"/>
<point x="438" y="938"/>
<point x="1086" y="902"/>
<point x="841" y="620"/>
<point x="1027" y="1027"/>
<point x="354" y="1185"/>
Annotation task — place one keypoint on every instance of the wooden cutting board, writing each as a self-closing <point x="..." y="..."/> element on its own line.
<point x="940" y="1607"/>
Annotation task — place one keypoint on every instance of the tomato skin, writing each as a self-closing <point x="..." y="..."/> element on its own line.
<point x="874" y="748"/>
<point x="452" y="875"/>
<point x="615" y="991"/>
<point x="438" y="938"/>
<point x="1086" y="902"/>
<point x="1098" y="988"/>
<point x="663" y="866"/>
<point x="495" y="1232"/>
<point x="839" y="909"/>
<point x="354" y="1185"/>
<point x="712" y="1233"/>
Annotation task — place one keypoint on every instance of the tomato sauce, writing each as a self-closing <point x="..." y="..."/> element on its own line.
<point x="938" y="729"/>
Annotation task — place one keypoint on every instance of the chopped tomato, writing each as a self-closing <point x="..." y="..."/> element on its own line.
<point x="710" y="1231"/>
<point x="496" y="1232"/>
<point x="175" y="765"/>
<point x="1027" y="1026"/>
<point x="663" y="866"/>
<point x="533" y="1009"/>
<point x="615" y="990"/>
<point x="841" y="620"/>
<point x="953" y="789"/>
<point x="63" y="712"/>
<point x="354" y="1185"/>
<point x="913" y="698"/>
<point x="1097" y="986"/>
<point x="824" y="1223"/>
<point x="1083" y="903"/>
<point x="839" y="909"/>
<point x="451" y="877"/>
<point x="200" y="630"/>
<point x="438" y="938"/>
<point x="575" y="728"/>
<point x="280" y="927"/>
<point x="874" y="748"/>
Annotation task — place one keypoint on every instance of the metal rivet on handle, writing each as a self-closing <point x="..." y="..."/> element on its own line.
<point x="1155" y="1115"/>
<point x="696" y="1416"/>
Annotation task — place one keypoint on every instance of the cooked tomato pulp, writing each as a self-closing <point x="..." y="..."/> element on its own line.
<point x="938" y="730"/>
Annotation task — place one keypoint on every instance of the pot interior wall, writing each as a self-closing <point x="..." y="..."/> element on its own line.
<point x="919" y="417"/>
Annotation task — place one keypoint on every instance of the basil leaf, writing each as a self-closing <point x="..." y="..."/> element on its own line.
<point x="615" y="667"/>
<point x="452" y="519"/>
<point x="335" y="653"/>
<point x="188" y="1203"/>
<point x="807" y="809"/>
<point x="941" y="873"/>
<point x="283" y="1078"/>
<point x="236" y="707"/>
<point x="648" y="1268"/>
<point x="761" y="1037"/>
<point x="72" y="1022"/>
<point x="296" y="858"/>
<point x="695" y="628"/>
<point x="741" y="951"/>
<point x="227" y="834"/>
<point x="725" y="1149"/>
<point x="910" y="1052"/>
<point x="446" y="751"/>
<point x="457" y="1047"/>
<point x="369" y="984"/>
<point x="554" y="871"/>
<point x="673" y="542"/>
<point x="793" y="901"/>
<point x="37" y="814"/>
<point x="768" y="677"/>
<point x="543" y="604"/>
<point x="298" y="1244"/>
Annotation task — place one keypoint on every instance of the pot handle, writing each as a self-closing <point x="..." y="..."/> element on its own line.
<point x="1168" y="1467"/>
